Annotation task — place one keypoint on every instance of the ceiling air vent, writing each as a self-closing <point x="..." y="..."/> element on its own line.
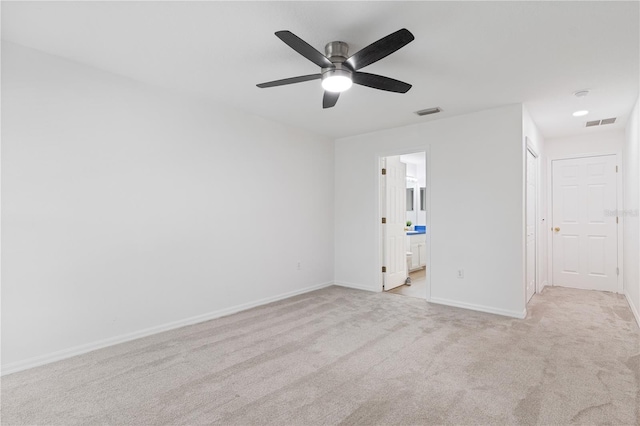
<point x="428" y="111"/>
<point x="601" y="122"/>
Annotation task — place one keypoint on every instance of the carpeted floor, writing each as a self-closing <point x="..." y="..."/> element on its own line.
<point x="342" y="356"/>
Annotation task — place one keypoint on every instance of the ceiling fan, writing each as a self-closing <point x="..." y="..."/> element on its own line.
<point x="339" y="71"/>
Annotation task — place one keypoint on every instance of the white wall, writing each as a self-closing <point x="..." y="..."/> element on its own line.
<point x="597" y="142"/>
<point x="126" y="210"/>
<point x="631" y="179"/>
<point x="475" y="179"/>
<point x="532" y="136"/>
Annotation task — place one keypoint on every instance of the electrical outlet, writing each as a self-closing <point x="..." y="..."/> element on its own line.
<point x="460" y="273"/>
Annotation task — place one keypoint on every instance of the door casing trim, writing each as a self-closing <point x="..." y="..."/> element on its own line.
<point x="538" y="278"/>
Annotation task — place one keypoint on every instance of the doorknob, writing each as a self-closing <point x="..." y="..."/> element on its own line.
<point x="556" y="229"/>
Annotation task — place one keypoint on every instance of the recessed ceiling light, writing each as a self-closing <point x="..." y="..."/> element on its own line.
<point x="580" y="113"/>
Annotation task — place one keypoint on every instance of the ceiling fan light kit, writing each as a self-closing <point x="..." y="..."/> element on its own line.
<point x="337" y="79"/>
<point x="339" y="72"/>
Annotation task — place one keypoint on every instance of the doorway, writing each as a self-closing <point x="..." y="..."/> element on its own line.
<point x="404" y="203"/>
<point x="585" y="223"/>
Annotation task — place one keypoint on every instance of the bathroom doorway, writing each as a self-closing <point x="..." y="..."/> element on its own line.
<point x="404" y="242"/>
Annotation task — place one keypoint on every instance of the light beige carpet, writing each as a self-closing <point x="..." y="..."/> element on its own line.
<point x="341" y="356"/>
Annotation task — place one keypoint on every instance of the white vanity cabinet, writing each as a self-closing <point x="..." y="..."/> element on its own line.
<point x="418" y="249"/>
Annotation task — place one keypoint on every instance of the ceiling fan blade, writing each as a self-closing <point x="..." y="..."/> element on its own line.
<point x="329" y="99"/>
<point x="380" y="49"/>
<point x="304" y="48"/>
<point x="380" y="82"/>
<point x="291" y="80"/>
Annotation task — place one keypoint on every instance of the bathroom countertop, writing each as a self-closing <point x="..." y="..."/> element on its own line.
<point x="418" y="229"/>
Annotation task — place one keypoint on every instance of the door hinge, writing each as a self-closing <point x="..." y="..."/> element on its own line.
<point x="384" y="269"/>
<point x="617" y="271"/>
<point x="616" y="169"/>
<point x="384" y="171"/>
<point x="616" y="219"/>
<point x="384" y="220"/>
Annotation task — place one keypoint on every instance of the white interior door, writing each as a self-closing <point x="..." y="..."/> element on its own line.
<point x="532" y="220"/>
<point x="585" y="247"/>
<point x="394" y="253"/>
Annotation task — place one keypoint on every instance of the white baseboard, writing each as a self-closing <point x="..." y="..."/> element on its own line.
<point x="356" y="286"/>
<point x="544" y="284"/>
<point x="634" y="309"/>
<point x="37" y="361"/>
<point x="473" y="307"/>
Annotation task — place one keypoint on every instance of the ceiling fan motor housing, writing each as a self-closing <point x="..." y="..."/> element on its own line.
<point x="337" y="52"/>
<point x="340" y="70"/>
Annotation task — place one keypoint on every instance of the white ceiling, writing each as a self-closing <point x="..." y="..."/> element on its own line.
<point x="467" y="56"/>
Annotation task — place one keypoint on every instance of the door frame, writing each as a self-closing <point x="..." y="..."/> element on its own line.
<point x="619" y="207"/>
<point x="531" y="148"/>
<point x="377" y="167"/>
